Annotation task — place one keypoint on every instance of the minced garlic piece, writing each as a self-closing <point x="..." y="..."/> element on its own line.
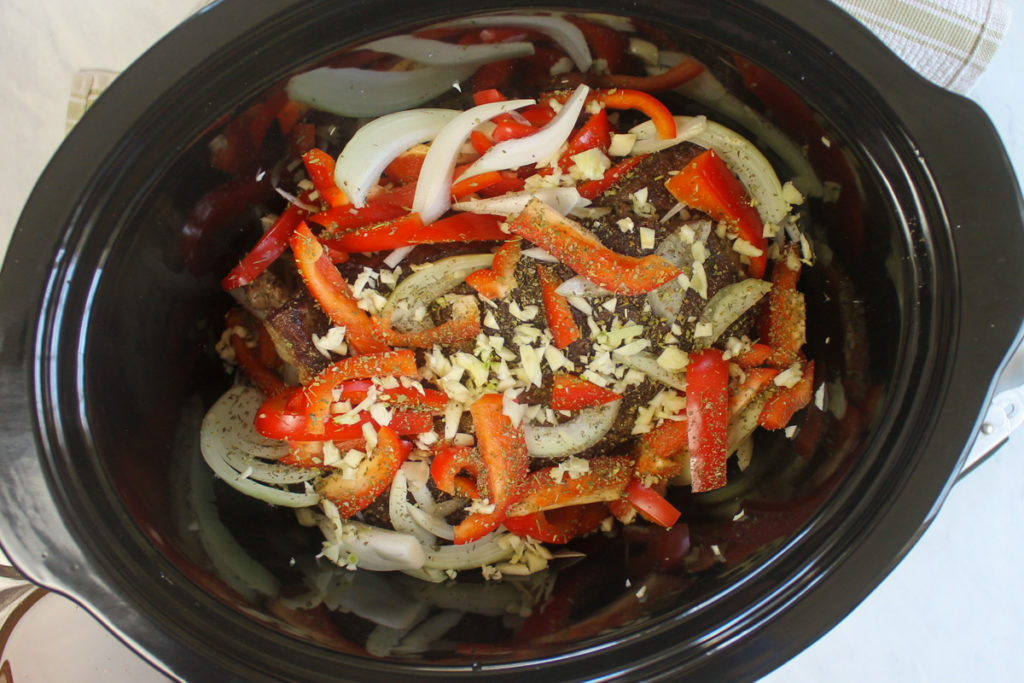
<point x="673" y="358"/>
<point x="646" y="238"/>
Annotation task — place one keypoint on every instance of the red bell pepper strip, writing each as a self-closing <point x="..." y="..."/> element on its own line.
<point x="564" y="330"/>
<point x="651" y="504"/>
<point x="409" y="230"/>
<point x="502" y="448"/>
<point x="619" y="98"/>
<point x="429" y="401"/>
<point x="787" y="316"/>
<point x="342" y="219"/>
<point x="662" y="452"/>
<point x="264" y="378"/>
<point x="278" y="419"/>
<point x="319" y="392"/>
<point x="787" y="401"/>
<point x="447" y="468"/>
<point x="500" y="279"/>
<point x="405" y="168"/>
<point x="332" y="293"/>
<point x="447" y="333"/>
<point x="320" y="169"/>
<point x="756" y="355"/>
<point x="511" y="129"/>
<point x="707" y="184"/>
<point x="595" y="133"/>
<point x="290" y="114"/>
<point x="595" y="188"/>
<point x="510" y="182"/>
<point x="488" y="96"/>
<point x="559" y="526"/>
<point x="572" y="392"/>
<point x="606" y="480"/>
<point x="270" y="246"/>
<point x="476" y="183"/>
<point x="573" y="245"/>
<point x="683" y="72"/>
<point x="707" y="417"/>
<point x="481" y="143"/>
<point x="372" y="477"/>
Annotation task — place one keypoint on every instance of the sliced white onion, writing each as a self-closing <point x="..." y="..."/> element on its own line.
<point x="538" y="254"/>
<point x="709" y="91"/>
<point x="533" y="148"/>
<point x="566" y="34"/>
<point x="563" y="199"/>
<point x="581" y="286"/>
<point x="728" y="304"/>
<point x="400" y="511"/>
<point x="474" y="555"/>
<point x="433" y="190"/>
<point x="397" y="256"/>
<point x="379" y="142"/>
<point x="429" y="283"/>
<point x="667" y="300"/>
<point x="686" y="128"/>
<point x="375" y="549"/>
<point x="648" y="364"/>
<point x="439" y="53"/>
<point x="292" y="199"/>
<point x="360" y="92"/>
<point x="432" y="523"/>
<point x="224" y="429"/>
<point x="572" y="437"/>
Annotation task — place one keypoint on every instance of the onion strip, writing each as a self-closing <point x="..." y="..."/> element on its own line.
<point x="649" y="365"/>
<point x="426" y="285"/>
<point x="563" y="199"/>
<point x="379" y="142"/>
<point x="433" y="190"/>
<point x="576" y="435"/>
<point x="536" y="147"/>
<point x="728" y="304"/>
<point x="474" y="555"/>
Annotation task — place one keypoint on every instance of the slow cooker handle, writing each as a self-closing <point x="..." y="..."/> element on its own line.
<point x="985" y="211"/>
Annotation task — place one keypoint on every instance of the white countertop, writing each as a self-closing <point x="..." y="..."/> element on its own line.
<point x="952" y="610"/>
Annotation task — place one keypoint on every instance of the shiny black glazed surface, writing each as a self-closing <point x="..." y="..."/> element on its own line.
<point x="91" y="458"/>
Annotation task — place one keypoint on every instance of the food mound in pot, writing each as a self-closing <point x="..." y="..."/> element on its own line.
<point x="475" y="333"/>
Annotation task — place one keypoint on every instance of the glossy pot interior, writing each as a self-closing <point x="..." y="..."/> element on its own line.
<point x="115" y="347"/>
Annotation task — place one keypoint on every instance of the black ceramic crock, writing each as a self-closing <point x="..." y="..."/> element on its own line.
<point x="104" y="329"/>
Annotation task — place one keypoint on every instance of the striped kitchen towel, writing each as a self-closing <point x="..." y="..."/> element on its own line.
<point x="949" y="42"/>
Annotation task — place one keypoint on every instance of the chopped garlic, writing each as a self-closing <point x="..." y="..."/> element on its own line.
<point x="701" y="330"/>
<point x="790" y="376"/>
<point x="621" y="144"/>
<point x="531" y="364"/>
<point x="791" y="195"/>
<point x="590" y="164"/>
<point x="333" y="341"/>
<point x="673" y="358"/>
<point x="625" y="224"/>
<point x="646" y="238"/>
<point x="745" y="248"/>
<point x="332" y="456"/>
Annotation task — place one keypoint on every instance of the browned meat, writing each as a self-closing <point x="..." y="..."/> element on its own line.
<point x="266" y="293"/>
<point x="292" y="327"/>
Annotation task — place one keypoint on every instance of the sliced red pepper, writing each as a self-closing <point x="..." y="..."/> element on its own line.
<point x="605" y="43"/>
<point x="488" y="96"/>
<point x="559" y="526"/>
<point x="343" y="219"/>
<point x="510" y="182"/>
<point x="320" y="168"/>
<point x="511" y="129"/>
<point x="448" y="466"/>
<point x="564" y="330"/>
<point x="500" y="279"/>
<point x="405" y="168"/>
<point x="409" y="230"/>
<point x="447" y="333"/>
<point x="595" y="188"/>
<point x="429" y="401"/>
<point x="481" y="143"/>
<point x="757" y="381"/>
<point x="319" y="392"/>
<point x="332" y="293"/>
<point x="572" y="392"/>
<point x="264" y="378"/>
<point x="290" y="114"/>
<point x="683" y="72"/>
<point x="494" y="74"/>
<point x="476" y="183"/>
<point x="662" y="452"/>
<point x="606" y="480"/>
<point x="756" y="355"/>
<point x="787" y="316"/>
<point x="502" y="448"/>
<point x="620" y="98"/>
<point x="707" y="417"/>
<point x="573" y="245"/>
<point x="651" y="504"/>
<point x="372" y="477"/>
<point x="595" y="133"/>
<point x="277" y="419"/>
<point x="707" y="184"/>
<point x="270" y="246"/>
<point x="785" y="403"/>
